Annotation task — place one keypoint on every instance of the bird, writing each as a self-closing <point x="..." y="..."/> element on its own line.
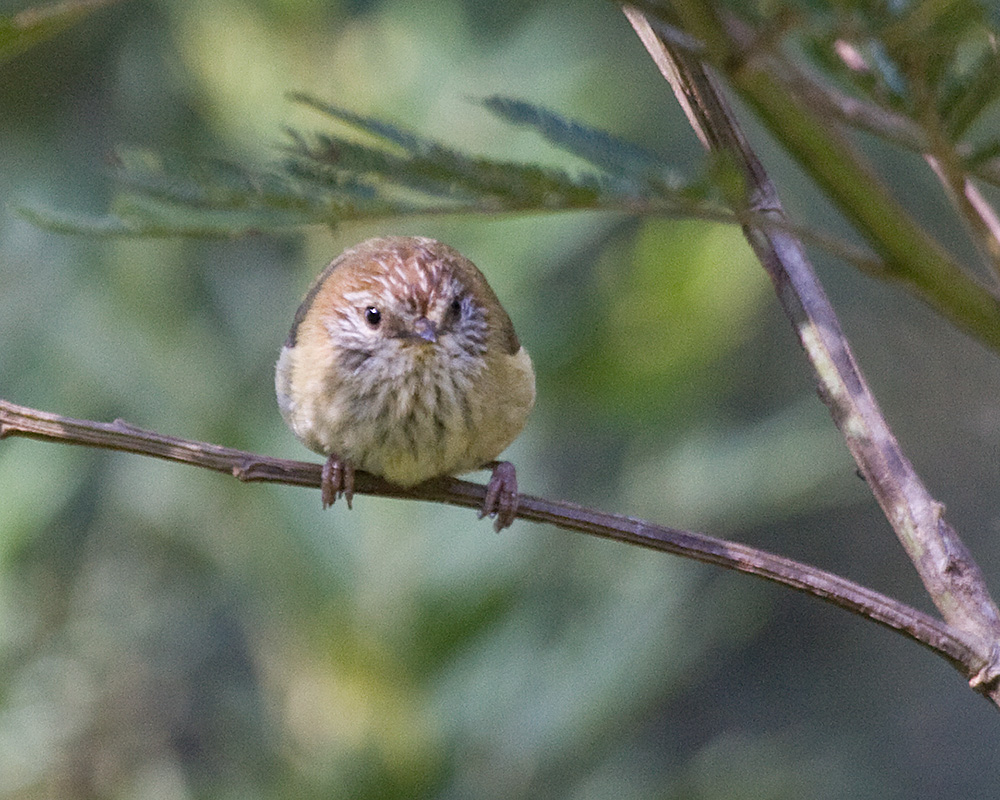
<point x="402" y="362"/>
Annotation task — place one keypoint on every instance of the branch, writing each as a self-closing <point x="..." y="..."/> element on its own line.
<point x="947" y="569"/>
<point x="959" y="649"/>
<point x="979" y="216"/>
<point x="911" y="255"/>
<point x="827" y="101"/>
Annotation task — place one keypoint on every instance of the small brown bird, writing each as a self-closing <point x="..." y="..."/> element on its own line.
<point x="402" y="362"/>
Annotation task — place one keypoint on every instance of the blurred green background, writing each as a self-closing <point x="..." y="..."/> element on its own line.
<point x="166" y="632"/>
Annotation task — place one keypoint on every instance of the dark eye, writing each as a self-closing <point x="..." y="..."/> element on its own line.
<point x="373" y="316"/>
<point x="456" y="307"/>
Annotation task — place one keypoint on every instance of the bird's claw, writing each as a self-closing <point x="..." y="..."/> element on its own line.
<point x="337" y="480"/>
<point x="501" y="496"/>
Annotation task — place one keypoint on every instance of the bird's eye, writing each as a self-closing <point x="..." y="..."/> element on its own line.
<point x="456" y="307"/>
<point x="373" y="316"/>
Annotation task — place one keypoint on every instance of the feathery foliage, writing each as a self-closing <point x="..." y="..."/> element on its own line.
<point x="377" y="169"/>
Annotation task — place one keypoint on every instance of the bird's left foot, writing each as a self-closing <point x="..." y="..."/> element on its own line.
<point x="338" y="479"/>
<point x="501" y="495"/>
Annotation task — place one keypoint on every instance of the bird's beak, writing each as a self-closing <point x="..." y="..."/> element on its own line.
<point x="424" y="329"/>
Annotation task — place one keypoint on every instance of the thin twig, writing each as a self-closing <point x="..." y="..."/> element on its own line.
<point x="913" y="257"/>
<point x="949" y="573"/>
<point x="958" y="648"/>
<point x="828" y="101"/>
<point x="979" y="216"/>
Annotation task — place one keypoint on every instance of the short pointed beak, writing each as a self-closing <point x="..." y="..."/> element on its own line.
<point x="425" y="329"/>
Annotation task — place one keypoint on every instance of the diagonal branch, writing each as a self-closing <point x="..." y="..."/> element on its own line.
<point x="947" y="569"/>
<point x="961" y="650"/>
<point x="979" y="216"/>
<point x="910" y="255"/>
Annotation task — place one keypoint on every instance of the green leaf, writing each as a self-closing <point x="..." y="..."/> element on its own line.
<point x="67" y="222"/>
<point x="426" y="166"/>
<point x="610" y="154"/>
<point x="971" y="92"/>
<point x="210" y="183"/>
<point x="410" y="142"/>
<point x="983" y="153"/>
<point x="27" y="28"/>
<point x="135" y="218"/>
<point x="926" y="36"/>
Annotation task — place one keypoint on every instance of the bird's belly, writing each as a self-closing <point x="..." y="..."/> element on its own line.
<point x="415" y="428"/>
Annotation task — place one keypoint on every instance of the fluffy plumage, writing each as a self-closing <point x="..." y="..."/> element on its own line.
<point x="402" y="362"/>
